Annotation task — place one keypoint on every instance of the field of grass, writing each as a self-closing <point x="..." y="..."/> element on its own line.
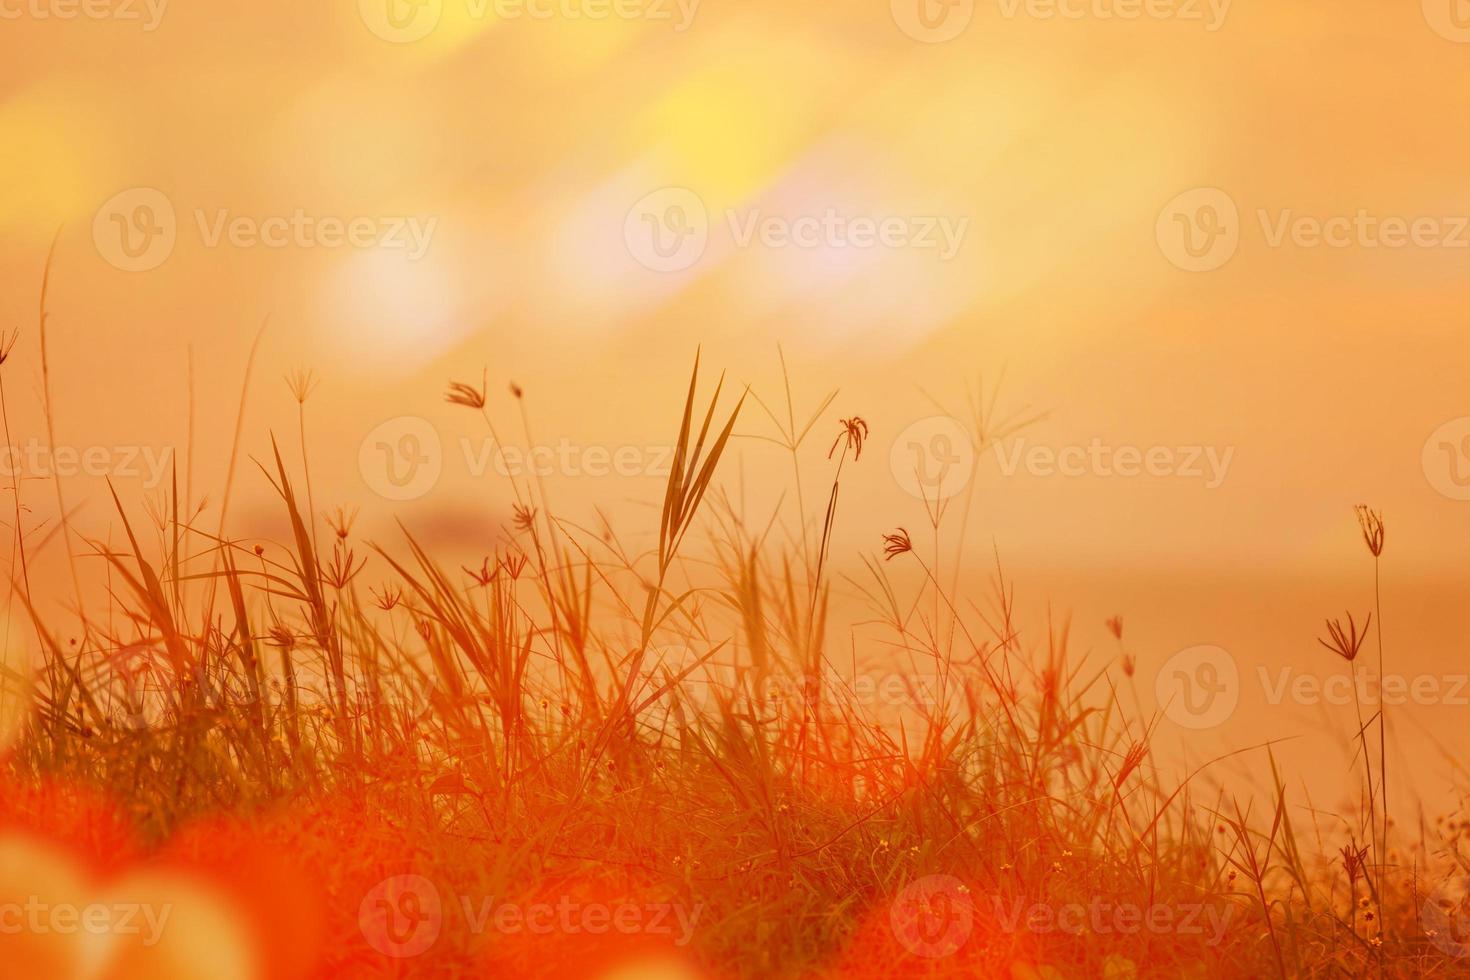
<point x="331" y="757"/>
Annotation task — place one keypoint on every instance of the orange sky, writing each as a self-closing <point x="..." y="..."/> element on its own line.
<point x="903" y="210"/>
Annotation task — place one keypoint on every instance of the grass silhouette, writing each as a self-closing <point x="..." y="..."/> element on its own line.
<point x="325" y="728"/>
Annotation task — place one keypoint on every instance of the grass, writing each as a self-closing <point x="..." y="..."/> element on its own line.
<point x="330" y="736"/>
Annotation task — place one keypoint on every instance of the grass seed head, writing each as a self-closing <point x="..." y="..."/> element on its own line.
<point x="854" y="433"/>
<point x="302" y="382"/>
<point x="468" y="395"/>
<point x="1345" y="642"/>
<point x="1371" y="523"/>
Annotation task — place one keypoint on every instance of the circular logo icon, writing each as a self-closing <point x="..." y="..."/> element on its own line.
<point x="933" y="916"/>
<point x="1450" y="19"/>
<point x="1199" y="230"/>
<point x="1446" y="459"/>
<point x="933" y="21"/>
<point x="933" y="459"/>
<point x="668" y="230"/>
<point x="136" y="230"/>
<point x="402" y="916"/>
<point x="401" y="459"/>
<point x="1446" y="916"/>
<point x="401" y="21"/>
<point x="680" y="666"/>
<point x="1198" y="687"/>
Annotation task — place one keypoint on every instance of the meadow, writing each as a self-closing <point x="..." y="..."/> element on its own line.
<point x="640" y="752"/>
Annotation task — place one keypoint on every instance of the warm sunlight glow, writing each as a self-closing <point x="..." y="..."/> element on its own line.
<point x="385" y="308"/>
<point x="752" y="490"/>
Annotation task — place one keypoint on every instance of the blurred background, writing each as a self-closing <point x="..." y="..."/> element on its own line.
<point x="1216" y="252"/>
